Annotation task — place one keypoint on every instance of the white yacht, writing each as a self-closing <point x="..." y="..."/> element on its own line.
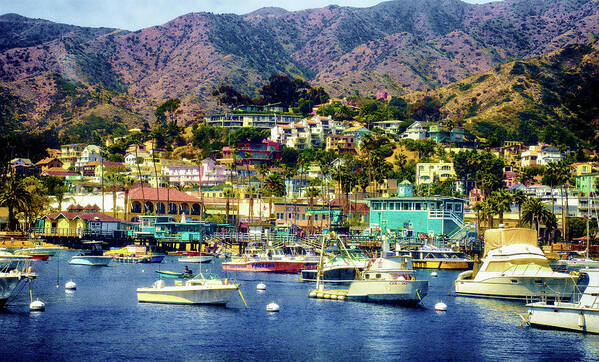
<point x="513" y="267"/>
<point x="13" y="272"/>
<point x="202" y="289"/>
<point x="581" y="315"/>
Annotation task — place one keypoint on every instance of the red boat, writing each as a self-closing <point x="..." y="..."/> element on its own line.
<point x="40" y="256"/>
<point x="273" y="260"/>
<point x="271" y="266"/>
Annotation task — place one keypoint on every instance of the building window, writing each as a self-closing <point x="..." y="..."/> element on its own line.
<point x="417" y="206"/>
<point x="458" y="207"/>
<point x="391" y="206"/>
<point x="316" y="217"/>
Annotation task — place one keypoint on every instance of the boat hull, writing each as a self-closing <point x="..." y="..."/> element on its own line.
<point x="139" y="259"/>
<point x="388" y="291"/>
<point x="90" y="260"/>
<point x="197" y="259"/>
<point x="563" y="316"/>
<point x="218" y="294"/>
<point x="289" y="267"/>
<point x="8" y="283"/>
<point x="174" y="275"/>
<point x="515" y="287"/>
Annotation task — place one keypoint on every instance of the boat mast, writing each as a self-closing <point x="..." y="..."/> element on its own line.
<point x="588" y="212"/>
<point x="319" y="270"/>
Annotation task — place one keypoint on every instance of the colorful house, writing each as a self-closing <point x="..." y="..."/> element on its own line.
<point x="418" y="215"/>
<point x="79" y="222"/>
<point x="162" y="201"/>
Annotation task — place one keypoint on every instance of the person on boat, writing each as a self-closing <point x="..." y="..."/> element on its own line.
<point x="186" y="270"/>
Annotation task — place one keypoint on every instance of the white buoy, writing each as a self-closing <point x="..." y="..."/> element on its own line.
<point x="70" y="285"/>
<point x="434" y="274"/>
<point x="272" y="307"/>
<point x="261" y="286"/>
<point x="37" y="306"/>
<point x="441" y="307"/>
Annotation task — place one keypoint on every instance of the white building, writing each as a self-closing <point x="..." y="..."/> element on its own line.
<point x="540" y="155"/>
<point x="89" y="154"/>
<point x="416" y="131"/>
<point x="427" y="172"/>
<point x="305" y="133"/>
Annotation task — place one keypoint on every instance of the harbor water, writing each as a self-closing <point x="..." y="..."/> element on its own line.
<point x="102" y="320"/>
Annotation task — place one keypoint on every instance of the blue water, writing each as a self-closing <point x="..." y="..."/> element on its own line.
<point x="102" y="320"/>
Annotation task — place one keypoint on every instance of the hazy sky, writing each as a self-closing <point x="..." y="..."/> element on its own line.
<point x="137" y="14"/>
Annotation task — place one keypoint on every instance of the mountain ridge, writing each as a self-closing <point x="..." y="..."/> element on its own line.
<point x="399" y="46"/>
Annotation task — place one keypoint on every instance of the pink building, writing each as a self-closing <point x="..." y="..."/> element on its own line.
<point x="382" y="95"/>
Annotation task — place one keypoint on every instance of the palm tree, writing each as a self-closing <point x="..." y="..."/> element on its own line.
<point x="59" y="192"/>
<point x="273" y="186"/>
<point x="550" y="178"/>
<point x="127" y="183"/>
<point x="114" y="185"/>
<point x="312" y="192"/>
<point x="251" y="191"/>
<point x="564" y="177"/>
<point x="519" y="198"/>
<point x="535" y="213"/>
<point x="228" y="193"/>
<point x="15" y="197"/>
<point x="502" y="200"/>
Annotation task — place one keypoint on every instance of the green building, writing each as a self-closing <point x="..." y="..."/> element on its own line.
<point x="413" y="215"/>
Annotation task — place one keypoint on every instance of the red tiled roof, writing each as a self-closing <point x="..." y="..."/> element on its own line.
<point x="95" y="216"/>
<point x="56" y="171"/>
<point x="161" y="194"/>
<point x="46" y="161"/>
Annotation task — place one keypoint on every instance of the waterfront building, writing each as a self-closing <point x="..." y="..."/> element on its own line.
<point x="435" y="215"/>
<point x="79" y="221"/>
<point x="162" y="201"/>
<point x="299" y="213"/>
<point x="426" y="173"/>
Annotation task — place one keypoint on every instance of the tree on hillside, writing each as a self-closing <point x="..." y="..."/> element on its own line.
<point x="15" y="197"/>
<point x="274" y="186"/>
<point x="231" y="97"/>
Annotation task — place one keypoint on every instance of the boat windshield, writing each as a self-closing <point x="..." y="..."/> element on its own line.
<point x="519" y="266"/>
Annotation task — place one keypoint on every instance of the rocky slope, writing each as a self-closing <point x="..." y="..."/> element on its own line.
<point x="399" y="46"/>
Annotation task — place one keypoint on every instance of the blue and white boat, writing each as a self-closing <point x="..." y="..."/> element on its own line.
<point x="91" y="257"/>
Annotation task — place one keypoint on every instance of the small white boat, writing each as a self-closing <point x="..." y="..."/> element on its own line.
<point x="581" y="315"/>
<point x="196" y="259"/>
<point x="388" y="280"/>
<point x="199" y="290"/>
<point x="93" y="257"/>
<point x="513" y="267"/>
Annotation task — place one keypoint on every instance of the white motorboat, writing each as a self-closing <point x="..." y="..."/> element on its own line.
<point x="390" y="280"/>
<point x="384" y="280"/>
<point x="92" y="257"/>
<point x="340" y="268"/>
<point x="9" y="261"/>
<point x="513" y="267"/>
<point x="196" y="259"/>
<point x="199" y="290"/>
<point x="581" y="315"/>
<point x="574" y="262"/>
<point x="12" y="274"/>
